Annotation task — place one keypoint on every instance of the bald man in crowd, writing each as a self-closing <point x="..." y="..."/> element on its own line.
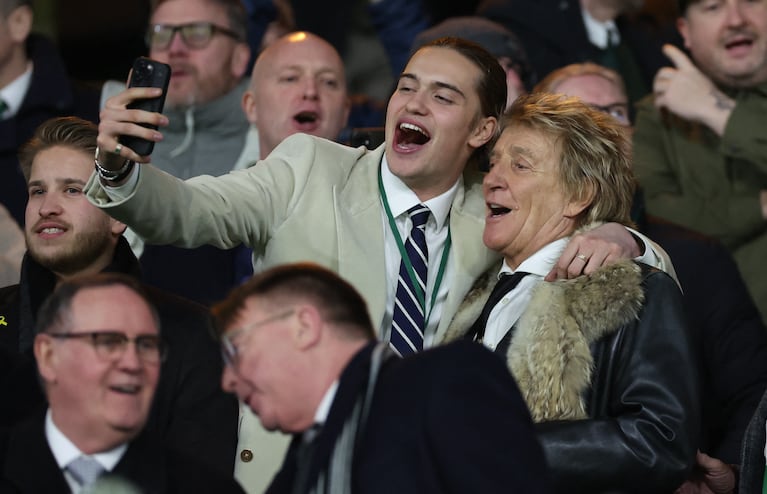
<point x="298" y="85"/>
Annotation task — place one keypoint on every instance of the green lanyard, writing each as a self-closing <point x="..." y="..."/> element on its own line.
<point x="408" y="265"/>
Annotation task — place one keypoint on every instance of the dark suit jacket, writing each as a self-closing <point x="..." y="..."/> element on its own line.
<point x="190" y="410"/>
<point x="553" y="34"/>
<point x="28" y="466"/>
<point x="51" y="94"/>
<point x="450" y="419"/>
<point x="732" y="337"/>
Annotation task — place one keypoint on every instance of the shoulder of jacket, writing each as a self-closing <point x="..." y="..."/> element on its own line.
<point x="599" y="303"/>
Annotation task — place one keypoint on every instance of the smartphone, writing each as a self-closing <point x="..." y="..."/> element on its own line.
<point x="147" y="73"/>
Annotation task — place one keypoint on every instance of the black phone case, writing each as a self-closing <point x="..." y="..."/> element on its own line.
<point x="147" y="73"/>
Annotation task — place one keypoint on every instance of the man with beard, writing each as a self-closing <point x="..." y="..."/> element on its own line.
<point x="699" y="146"/>
<point x="205" y="43"/>
<point x="556" y="33"/>
<point x="67" y="237"/>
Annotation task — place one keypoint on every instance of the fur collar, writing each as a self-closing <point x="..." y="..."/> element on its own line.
<point x="549" y="354"/>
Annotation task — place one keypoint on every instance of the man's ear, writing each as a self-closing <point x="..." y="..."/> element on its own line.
<point x="117" y="227"/>
<point x="483" y="132"/>
<point x="579" y="204"/>
<point x="684" y="30"/>
<point x="20" y="23"/>
<point x="240" y="59"/>
<point x="45" y="357"/>
<point x="308" y="331"/>
<point x="249" y="106"/>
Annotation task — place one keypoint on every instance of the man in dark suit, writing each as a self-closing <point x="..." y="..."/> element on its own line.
<point x="560" y="32"/>
<point x="66" y="236"/>
<point x="299" y="350"/>
<point x="98" y="350"/>
<point x="34" y="86"/>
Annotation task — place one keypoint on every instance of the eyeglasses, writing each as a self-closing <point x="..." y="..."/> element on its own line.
<point x="619" y="111"/>
<point x="229" y="350"/>
<point x="196" y="35"/>
<point x="111" y="345"/>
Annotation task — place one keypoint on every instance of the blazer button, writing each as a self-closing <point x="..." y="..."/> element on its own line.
<point x="246" y="455"/>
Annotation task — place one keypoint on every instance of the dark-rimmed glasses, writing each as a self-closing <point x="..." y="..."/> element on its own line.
<point x="229" y="350"/>
<point x="111" y="345"/>
<point x="196" y="35"/>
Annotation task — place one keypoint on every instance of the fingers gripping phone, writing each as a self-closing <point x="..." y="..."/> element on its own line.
<point x="146" y="73"/>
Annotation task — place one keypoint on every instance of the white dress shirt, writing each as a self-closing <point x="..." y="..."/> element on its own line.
<point x="400" y="199"/>
<point x="64" y="451"/>
<point x="13" y="94"/>
<point x="508" y="310"/>
<point x="599" y="32"/>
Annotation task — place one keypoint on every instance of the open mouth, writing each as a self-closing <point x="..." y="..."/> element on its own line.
<point x="497" y="210"/>
<point x="739" y="43"/>
<point x="410" y="136"/>
<point x="306" y="117"/>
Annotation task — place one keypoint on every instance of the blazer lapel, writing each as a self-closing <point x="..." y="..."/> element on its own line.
<point x="360" y="233"/>
<point x="351" y="385"/>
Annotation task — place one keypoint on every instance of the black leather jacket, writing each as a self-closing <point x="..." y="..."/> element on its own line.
<point x="608" y="367"/>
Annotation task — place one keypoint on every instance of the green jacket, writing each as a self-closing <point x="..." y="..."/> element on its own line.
<point x="709" y="183"/>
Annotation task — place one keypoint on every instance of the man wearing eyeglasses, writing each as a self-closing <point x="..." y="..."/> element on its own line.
<point x="301" y="353"/>
<point x="205" y="43"/>
<point x="99" y="351"/>
<point x="67" y="237"/>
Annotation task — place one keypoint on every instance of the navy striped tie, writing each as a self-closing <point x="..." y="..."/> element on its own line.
<point x="408" y="321"/>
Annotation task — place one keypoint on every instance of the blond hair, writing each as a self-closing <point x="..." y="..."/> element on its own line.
<point x="595" y="161"/>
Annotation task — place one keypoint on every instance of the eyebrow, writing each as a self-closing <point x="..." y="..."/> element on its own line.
<point x="438" y="84"/>
<point x="62" y="181"/>
<point x="515" y="150"/>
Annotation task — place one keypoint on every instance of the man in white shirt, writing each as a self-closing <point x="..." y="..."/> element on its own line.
<point x="98" y="350"/>
<point x="556" y="33"/>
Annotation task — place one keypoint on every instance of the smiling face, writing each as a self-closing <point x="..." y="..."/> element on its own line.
<point x="298" y="85"/>
<point x="97" y="402"/>
<point x="434" y="122"/>
<point x="199" y="75"/>
<point x="265" y="376"/>
<point x="64" y="232"/>
<point x="527" y="207"/>
<point x="728" y="40"/>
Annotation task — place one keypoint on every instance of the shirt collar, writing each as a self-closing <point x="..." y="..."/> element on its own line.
<point x="13" y="94"/>
<point x="541" y="262"/>
<point x="64" y="450"/>
<point x="597" y="30"/>
<point x="401" y="198"/>
<point x="321" y="415"/>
